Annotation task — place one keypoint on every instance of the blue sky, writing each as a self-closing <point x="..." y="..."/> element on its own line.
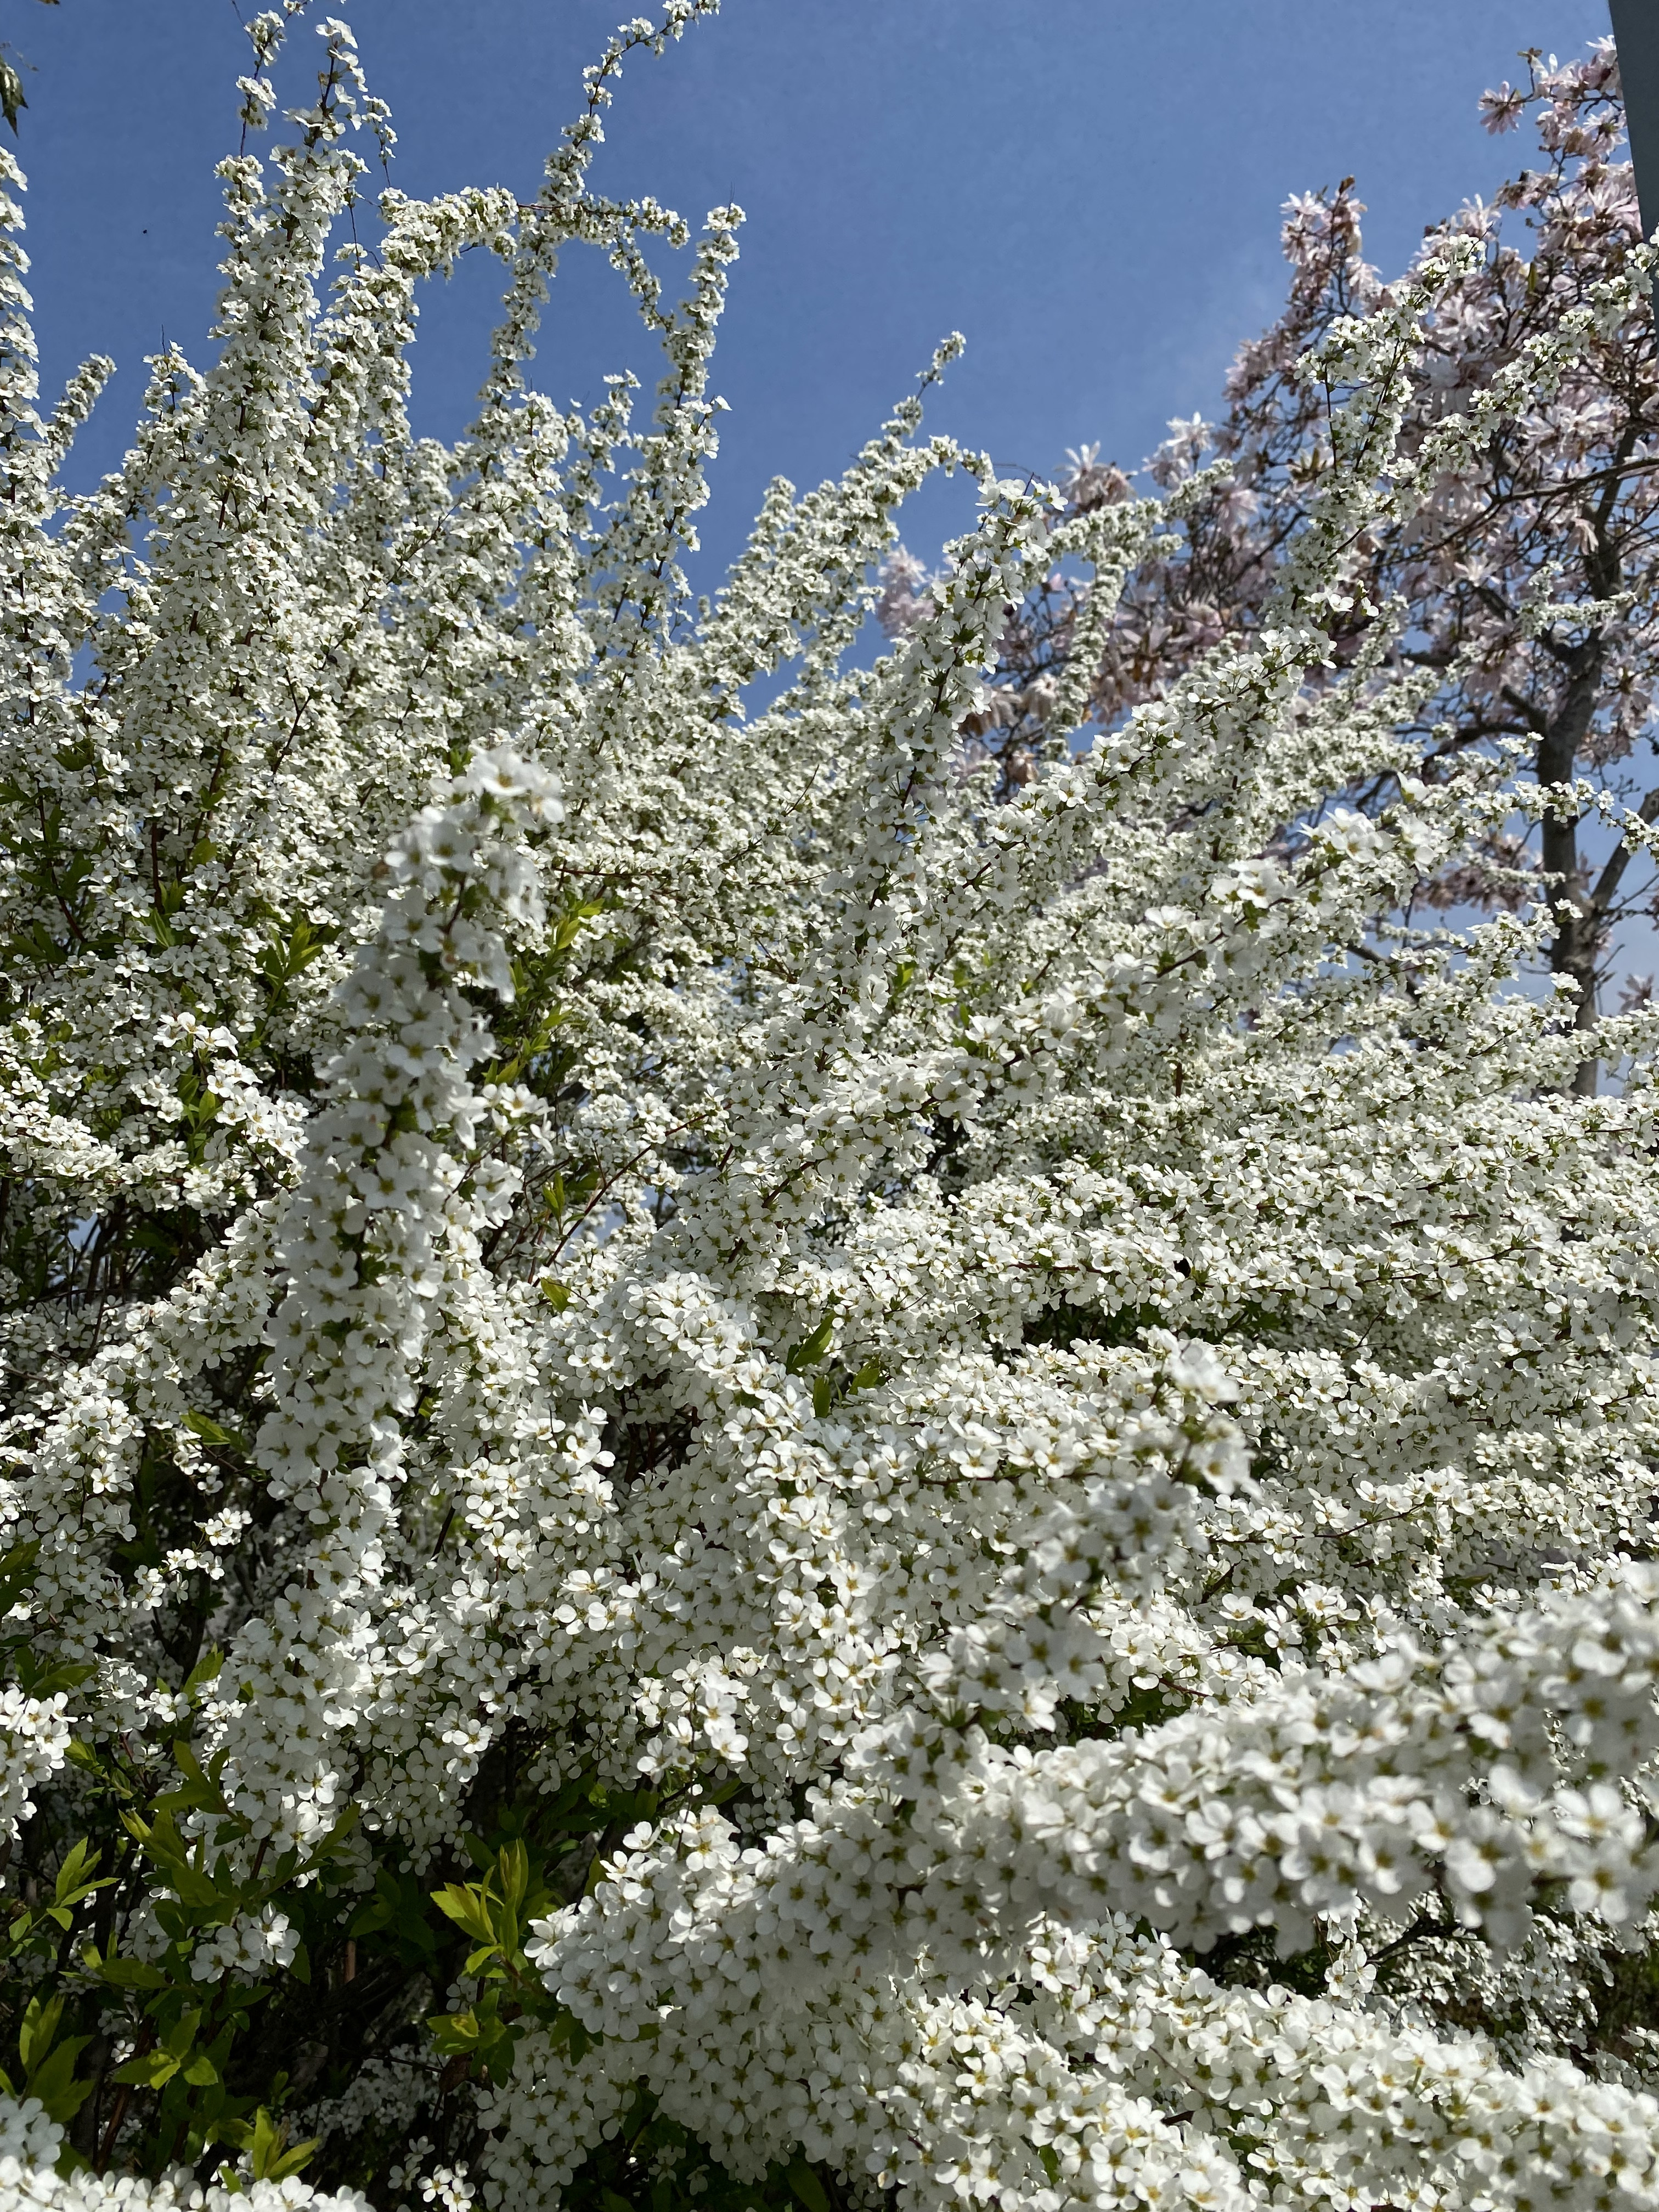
<point x="1088" y="189"/>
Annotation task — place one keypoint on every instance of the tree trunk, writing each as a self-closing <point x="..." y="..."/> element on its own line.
<point x="1577" y="918"/>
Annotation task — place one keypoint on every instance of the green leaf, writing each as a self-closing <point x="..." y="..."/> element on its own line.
<point x="49" y="1681"/>
<point x="149" y="2071"/>
<point x="810" y="1349"/>
<point x="290" y="2161"/>
<point x="207" y="1668"/>
<point x="337" y="1836"/>
<point x="210" y="1433"/>
<point x="197" y="1891"/>
<point x="1050" y="2163"/>
<point x="560" y="1196"/>
<point x="16" y="1573"/>
<point x="465" y="1904"/>
<point x="75" y="1876"/>
<point x="40" y="2025"/>
<point x="823" y="1395"/>
<point x="266" y="2144"/>
<point x="455" y="2030"/>
<point x="54" y="2083"/>
<point x="197" y="1794"/>
<point x="267" y="2141"/>
<point x="808" y="2189"/>
<point x="131" y="1974"/>
<point x="570" y="922"/>
<point x="399" y="1904"/>
<point x="373" y="1914"/>
<point x="513" y="1863"/>
<point x="567" y="2034"/>
<point x="556" y="1296"/>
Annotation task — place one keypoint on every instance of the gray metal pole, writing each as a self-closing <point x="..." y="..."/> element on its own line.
<point x="1636" y="28"/>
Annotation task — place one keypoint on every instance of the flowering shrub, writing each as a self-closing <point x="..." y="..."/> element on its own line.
<point x="741" y="1463"/>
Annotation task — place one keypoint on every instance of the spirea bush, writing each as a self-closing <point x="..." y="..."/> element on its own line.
<point x="743" y="1465"/>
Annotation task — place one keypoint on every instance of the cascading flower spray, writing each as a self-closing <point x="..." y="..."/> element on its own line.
<point x="744" y="1462"/>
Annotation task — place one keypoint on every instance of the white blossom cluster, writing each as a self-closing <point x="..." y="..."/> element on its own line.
<point x="28" y="2137"/>
<point x="43" y="2190"/>
<point x="1040" y="1375"/>
<point x="29" y="2145"/>
<point x="36" y="1737"/>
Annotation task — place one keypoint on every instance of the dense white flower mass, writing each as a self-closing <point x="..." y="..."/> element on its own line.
<point x="740" y="1464"/>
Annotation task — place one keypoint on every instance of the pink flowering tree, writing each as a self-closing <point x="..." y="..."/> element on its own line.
<point x="1526" y="587"/>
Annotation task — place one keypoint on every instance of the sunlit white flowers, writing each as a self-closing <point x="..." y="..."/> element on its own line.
<point x="747" y="1455"/>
